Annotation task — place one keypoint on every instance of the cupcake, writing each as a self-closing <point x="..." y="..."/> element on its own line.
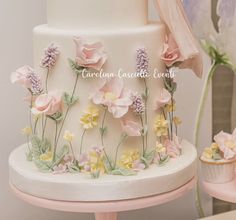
<point x="218" y="160"/>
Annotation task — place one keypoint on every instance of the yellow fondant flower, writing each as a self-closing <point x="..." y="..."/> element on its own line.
<point x="90" y="118"/>
<point x="171" y="107"/>
<point x="96" y="160"/>
<point x="47" y="156"/>
<point x="68" y="136"/>
<point x="128" y="158"/>
<point x="214" y="146"/>
<point x="208" y="153"/>
<point x="161" y="126"/>
<point x="160" y="148"/>
<point x="177" y="121"/>
<point x="26" y="131"/>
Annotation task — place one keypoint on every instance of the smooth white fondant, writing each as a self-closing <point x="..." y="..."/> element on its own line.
<point x="85" y="14"/>
<point x="80" y="187"/>
<point x="121" y="46"/>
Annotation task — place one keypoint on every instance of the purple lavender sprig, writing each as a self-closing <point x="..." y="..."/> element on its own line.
<point x="36" y="83"/>
<point x="138" y="105"/>
<point x="142" y="61"/>
<point x="51" y="54"/>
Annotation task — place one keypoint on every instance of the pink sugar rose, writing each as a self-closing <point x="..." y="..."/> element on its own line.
<point x="173" y="147"/>
<point x="227" y="144"/>
<point x="48" y="104"/>
<point x="21" y="76"/>
<point x="171" y="53"/>
<point x="163" y="98"/>
<point x="111" y="93"/>
<point x="131" y="128"/>
<point x="90" y="55"/>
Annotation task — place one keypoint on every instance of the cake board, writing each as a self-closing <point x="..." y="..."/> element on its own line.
<point x="105" y="210"/>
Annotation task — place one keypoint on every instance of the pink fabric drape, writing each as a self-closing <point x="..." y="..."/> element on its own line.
<point x="172" y="13"/>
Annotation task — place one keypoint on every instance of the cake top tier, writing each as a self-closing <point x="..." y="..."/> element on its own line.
<point x="74" y="14"/>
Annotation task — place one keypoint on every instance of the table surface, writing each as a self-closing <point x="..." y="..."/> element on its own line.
<point x="102" y="207"/>
<point x="225" y="191"/>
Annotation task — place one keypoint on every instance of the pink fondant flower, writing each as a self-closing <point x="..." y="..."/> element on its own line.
<point x="138" y="165"/>
<point x="131" y="128"/>
<point x="163" y="98"/>
<point x="173" y="147"/>
<point x="171" y="53"/>
<point x="61" y="168"/>
<point x="111" y="93"/>
<point x="90" y="55"/>
<point x="182" y="46"/>
<point x="48" y="104"/>
<point x="227" y="144"/>
<point x="21" y="76"/>
<point x="28" y="79"/>
<point x="83" y="159"/>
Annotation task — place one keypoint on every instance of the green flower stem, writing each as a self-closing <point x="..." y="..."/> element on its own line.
<point x="103" y="126"/>
<point x="102" y="137"/>
<point x="143" y="138"/>
<point x="30" y="114"/>
<point x="122" y="139"/>
<point x="28" y="141"/>
<point x="81" y="142"/>
<point x="172" y="117"/>
<point x="55" y="140"/>
<point x="35" y="126"/>
<point x="203" y="99"/>
<point x="44" y="127"/>
<point x="46" y="81"/>
<point x="145" y="113"/>
<point x="72" y="151"/>
<point x="67" y="111"/>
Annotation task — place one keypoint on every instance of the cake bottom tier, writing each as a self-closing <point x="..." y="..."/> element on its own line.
<point x="80" y="187"/>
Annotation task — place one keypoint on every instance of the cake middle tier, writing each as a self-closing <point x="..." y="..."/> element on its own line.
<point x="121" y="47"/>
<point x="74" y="14"/>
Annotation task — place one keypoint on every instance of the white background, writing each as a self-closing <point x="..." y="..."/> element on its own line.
<point x="17" y="18"/>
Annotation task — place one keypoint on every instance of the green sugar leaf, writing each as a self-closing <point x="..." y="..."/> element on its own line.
<point x="123" y="172"/>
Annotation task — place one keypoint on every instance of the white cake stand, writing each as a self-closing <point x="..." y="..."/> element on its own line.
<point x="105" y="210"/>
<point x="107" y="195"/>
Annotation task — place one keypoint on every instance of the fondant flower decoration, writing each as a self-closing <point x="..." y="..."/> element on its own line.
<point x="161" y="126"/>
<point x="138" y="106"/>
<point x="171" y="106"/>
<point x="61" y="168"/>
<point x="48" y="104"/>
<point x="138" y="165"/>
<point x="142" y="61"/>
<point x="27" y="131"/>
<point x="96" y="162"/>
<point x="173" y="147"/>
<point x="90" y="118"/>
<point x="114" y="95"/>
<point x="46" y="156"/>
<point x="129" y="158"/>
<point x="171" y="53"/>
<point x="28" y="79"/>
<point x="164" y="97"/>
<point x="68" y="136"/>
<point x="51" y="54"/>
<point x="131" y="128"/>
<point x="83" y="159"/>
<point x="177" y="121"/>
<point x="182" y="45"/>
<point x="90" y="55"/>
<point x="227" y="144"/>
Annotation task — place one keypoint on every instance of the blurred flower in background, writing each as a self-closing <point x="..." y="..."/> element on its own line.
<point x="218" y="41"/>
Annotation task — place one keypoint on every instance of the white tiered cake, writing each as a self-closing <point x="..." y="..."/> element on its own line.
<point x="102" y="122"/>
